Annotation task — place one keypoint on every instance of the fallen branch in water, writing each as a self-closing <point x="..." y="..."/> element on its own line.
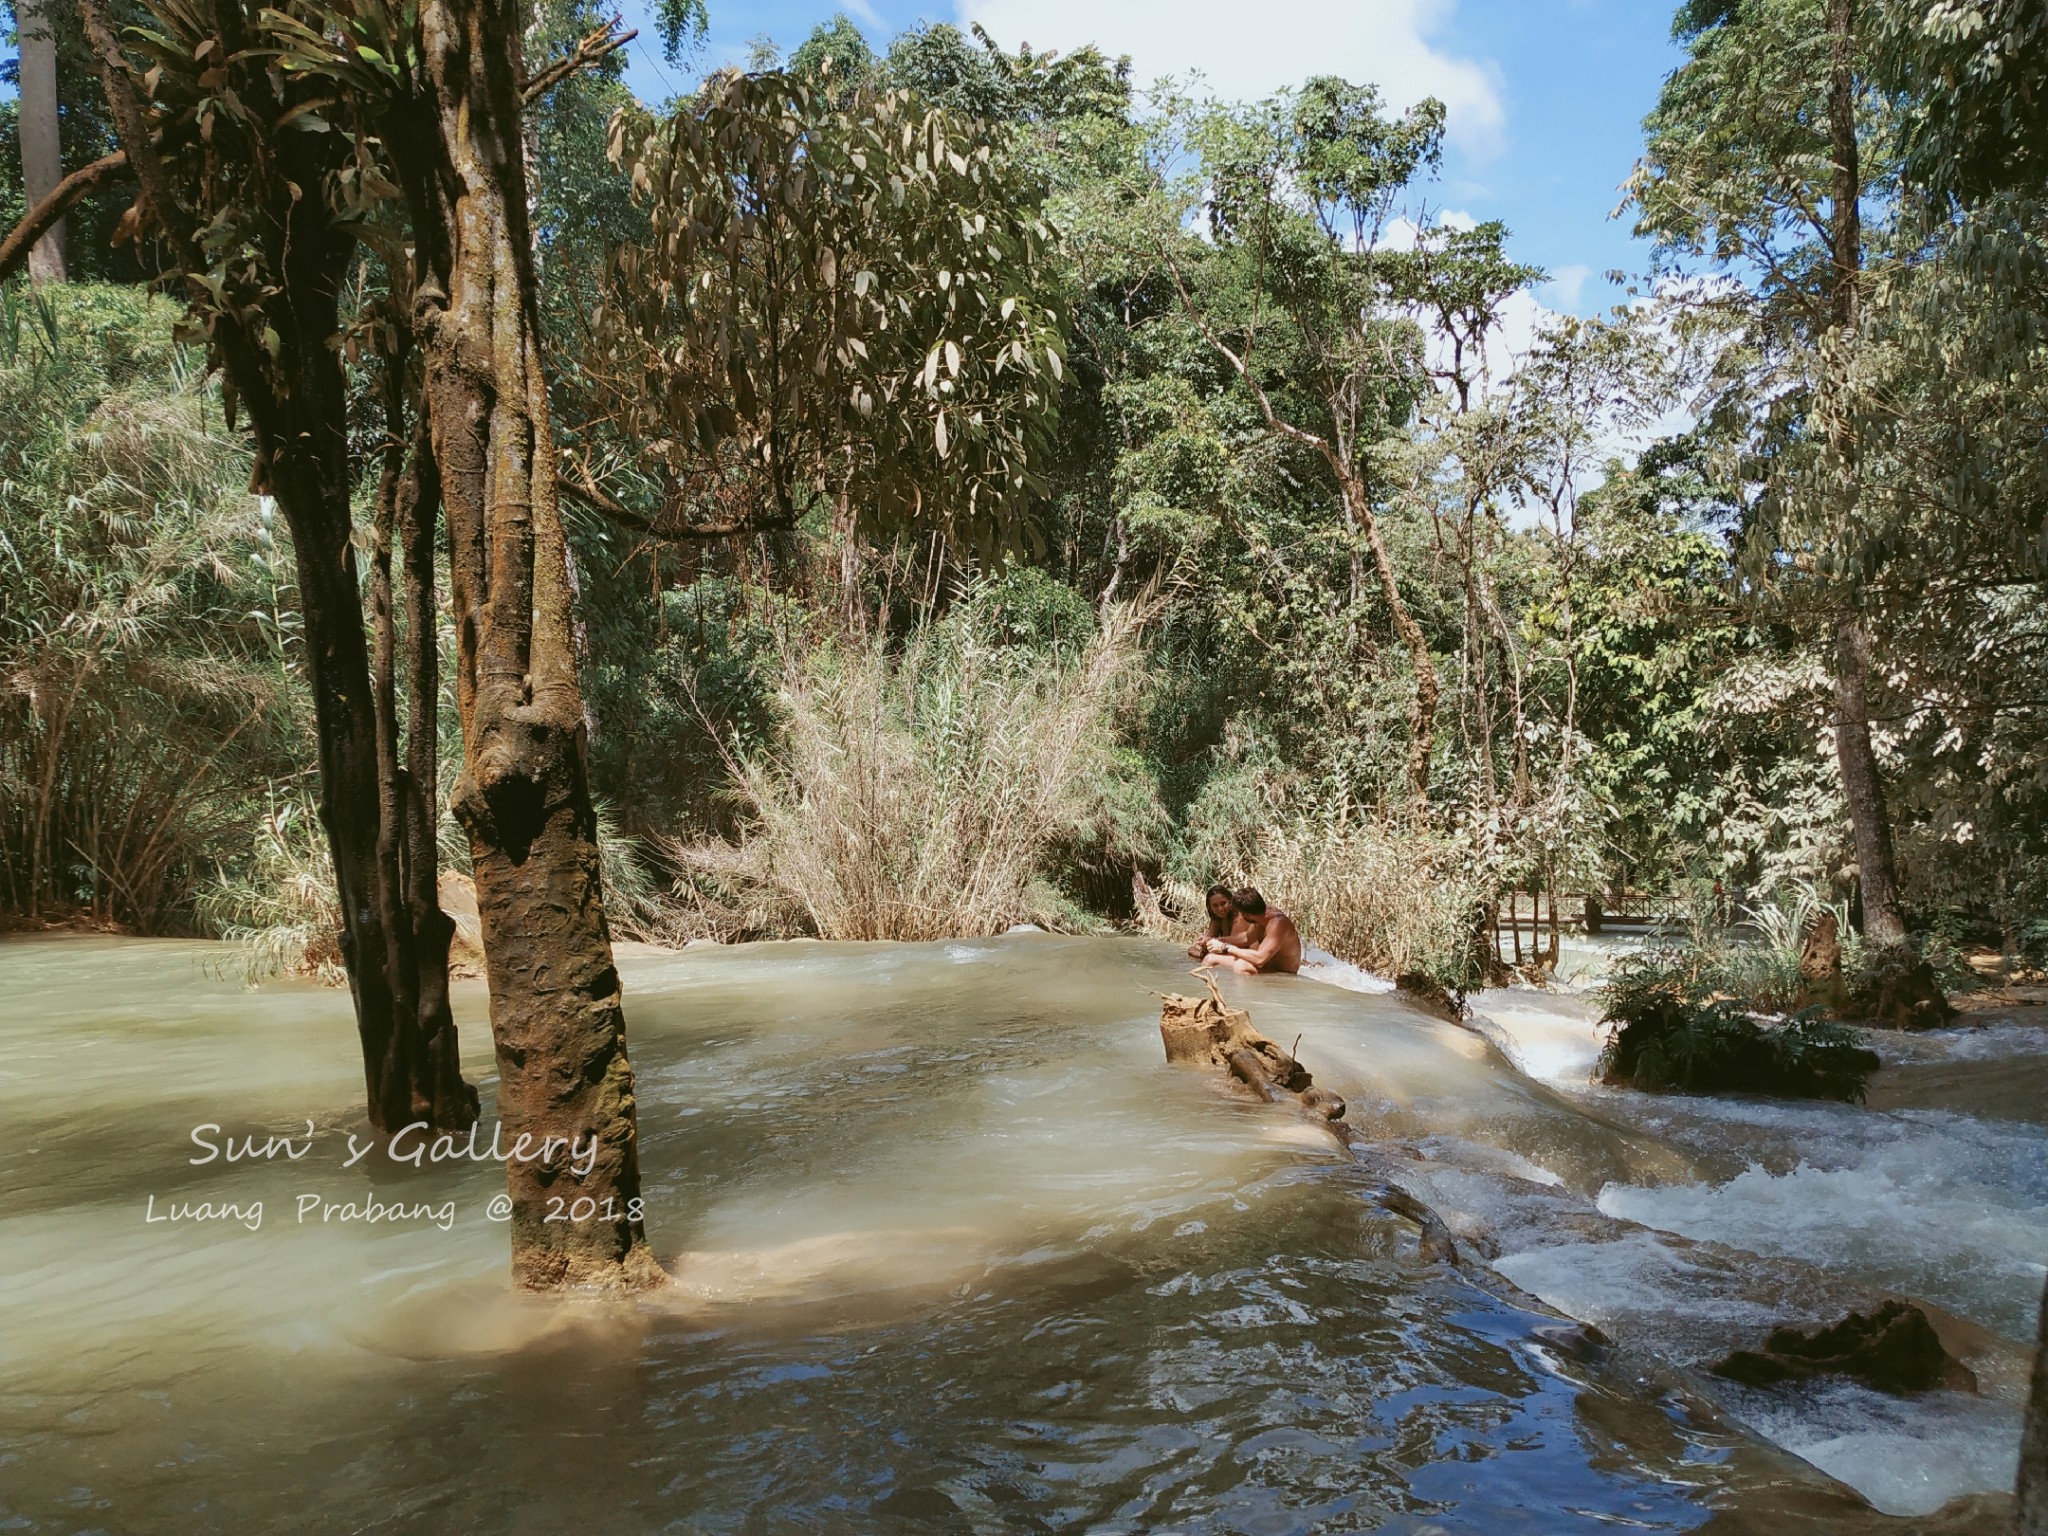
<point x="1208" y="1032"/>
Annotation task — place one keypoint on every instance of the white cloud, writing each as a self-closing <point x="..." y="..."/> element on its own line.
<point x="1244" y="55"/>
<point x="1568" y="284"/>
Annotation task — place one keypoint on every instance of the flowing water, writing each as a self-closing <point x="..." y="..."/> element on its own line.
<point x="955" y="1252"/>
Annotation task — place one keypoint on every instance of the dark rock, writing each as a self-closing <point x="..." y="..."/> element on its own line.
<point x="1324" y="1103"/>
<point x="920" y="1504"/>
<point x="1421" y="987"/>
<point x="1895" y="1350"/>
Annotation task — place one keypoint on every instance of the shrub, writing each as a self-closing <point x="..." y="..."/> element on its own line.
<point x="1766" y="973"/>
<point x="1670" y="1032"/>
<point x="928" y="793"/>
<point x="1896" y="986"/>
<point x="278" y="909"/>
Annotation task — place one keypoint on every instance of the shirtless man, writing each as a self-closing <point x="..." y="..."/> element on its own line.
<point x="1272" y="942"/>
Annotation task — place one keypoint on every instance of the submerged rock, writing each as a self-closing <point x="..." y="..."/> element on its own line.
<point x="1893" y="1350"/>
<point x="1426" y="991"/>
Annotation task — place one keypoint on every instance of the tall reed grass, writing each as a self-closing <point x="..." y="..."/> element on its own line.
<point x="1392" y="898"/>
<point x="922" y="792"/>
<point x="147" y="653"/>
<point x="277" y="910"/>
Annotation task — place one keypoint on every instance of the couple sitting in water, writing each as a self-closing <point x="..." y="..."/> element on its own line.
<point x="1247" y="936"/>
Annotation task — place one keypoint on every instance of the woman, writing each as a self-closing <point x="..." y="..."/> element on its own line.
<point x="1224" y="920"/>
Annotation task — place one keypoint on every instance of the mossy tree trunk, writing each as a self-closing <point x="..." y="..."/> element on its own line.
<point x="524" y="795"/>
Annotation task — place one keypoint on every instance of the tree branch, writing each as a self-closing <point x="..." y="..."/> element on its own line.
<point x="1274" y="422"/>
<point x="583" y="488"/>
<point x="62" y="198"/>
<point x="594" y="49"/>
<point x="157" y="206"/>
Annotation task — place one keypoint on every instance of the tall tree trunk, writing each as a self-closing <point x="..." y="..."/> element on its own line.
<point x="1862" y="787"/>
<point x="297" y="402"/>
<point x="2031" y="1518"/>
<point x="565" y="1084"/>
<point x="42" y="153"/>
<point x="418" y="1072"/>
<point x="1422" y="714"/>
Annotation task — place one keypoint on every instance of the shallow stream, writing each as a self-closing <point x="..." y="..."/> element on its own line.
<point x="958" y="1252"/>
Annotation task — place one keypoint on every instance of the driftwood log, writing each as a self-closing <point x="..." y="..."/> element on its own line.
<point x="1208" y="1032"/>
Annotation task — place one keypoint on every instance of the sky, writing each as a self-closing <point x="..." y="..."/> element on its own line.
<point x="1546" y="97"/>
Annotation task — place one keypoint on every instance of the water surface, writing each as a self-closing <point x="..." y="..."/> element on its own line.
<point x="956" y="1251"/>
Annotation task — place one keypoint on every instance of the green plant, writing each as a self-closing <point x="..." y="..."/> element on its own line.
<point x="1896" y="985"/>
<point x="1669" y="1031"/>
<point x="1765" y="974"/>
<point x="148" y="684"/>
<point x="633" y="898"/>
<point x="276" y="909"/>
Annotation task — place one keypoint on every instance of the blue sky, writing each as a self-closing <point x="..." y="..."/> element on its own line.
<point x="1546" y="97"/>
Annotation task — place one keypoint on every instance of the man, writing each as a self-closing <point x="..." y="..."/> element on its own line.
<point x="1272" y="943"/>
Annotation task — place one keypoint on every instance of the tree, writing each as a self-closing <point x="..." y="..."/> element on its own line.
<point x="1299" y="192"/>
<point x="240" y="118"/>
<point x="846" y="301"/>
<point x="1461" y="279"/>
<point x="42" y="154"/>
<point x="257" y="198"/>
<point x="1755" y="160"/>
<point x="1974" y="74"/>
<point x="454" y="128"/>
<point x="95" y="186"/>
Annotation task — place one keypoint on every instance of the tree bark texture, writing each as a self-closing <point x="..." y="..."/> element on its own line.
<point x="2031" y="1518"/>
<point x="1862" y="787"/>
<point x="524" y="796"/>
<point x="42" y="153"/>
<point x="297" y="404"/>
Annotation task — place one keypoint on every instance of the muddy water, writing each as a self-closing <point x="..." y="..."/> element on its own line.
<point x="955" y="1252"/>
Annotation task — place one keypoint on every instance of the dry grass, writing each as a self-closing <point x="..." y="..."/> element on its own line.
<point x="917" y="795"/>
<point x="279" y="913"/>
<point x="1378" y="894"/>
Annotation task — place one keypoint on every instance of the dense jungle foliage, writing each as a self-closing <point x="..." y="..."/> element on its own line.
<point x="1003" y="494"/>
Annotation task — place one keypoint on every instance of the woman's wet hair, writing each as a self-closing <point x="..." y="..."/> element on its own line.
<point x="1249" y="902"/>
